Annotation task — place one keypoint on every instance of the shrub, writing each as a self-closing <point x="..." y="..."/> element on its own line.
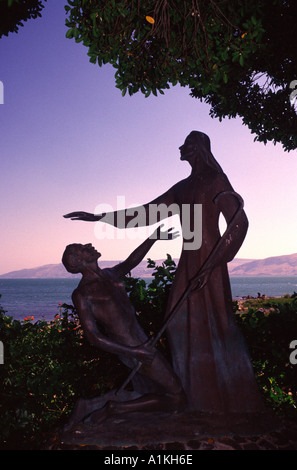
<point x="47" y="366"/>
<point x="269" y="327"/>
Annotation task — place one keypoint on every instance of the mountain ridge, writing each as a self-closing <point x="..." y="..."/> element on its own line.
<point x="284" y="265"/>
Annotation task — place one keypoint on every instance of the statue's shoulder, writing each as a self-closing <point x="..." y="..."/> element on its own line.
<point x="184" y="183"/>
<point x="221" y="182"/>
<point x="77" y="292"/>
<point x="80" y="291"/>
<point x="111" y="274"/>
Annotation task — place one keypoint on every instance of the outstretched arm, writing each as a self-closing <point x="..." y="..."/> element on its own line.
<point x="139" y="253"/>
<point x="125" y="218"/>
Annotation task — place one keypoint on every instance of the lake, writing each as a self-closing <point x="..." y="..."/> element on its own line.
<point x="40" y="298"/>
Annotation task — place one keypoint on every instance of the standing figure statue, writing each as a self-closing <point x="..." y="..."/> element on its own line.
<point x="208" y="352"/>
<point x="109" y="322"/>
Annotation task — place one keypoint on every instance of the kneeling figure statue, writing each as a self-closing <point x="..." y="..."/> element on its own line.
<point x="101" y="300"/>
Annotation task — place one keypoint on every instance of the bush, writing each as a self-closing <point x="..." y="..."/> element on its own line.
<point x="269" y="326"/>
<point x="47" y="366"/>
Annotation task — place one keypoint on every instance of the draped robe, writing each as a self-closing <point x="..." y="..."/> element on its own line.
<point x="208" y="351"/>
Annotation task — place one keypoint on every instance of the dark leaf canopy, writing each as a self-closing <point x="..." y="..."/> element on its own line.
<point x="239" y="56"/>
<point x="14" y="12"/>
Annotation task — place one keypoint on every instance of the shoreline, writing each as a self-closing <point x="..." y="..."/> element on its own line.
<point x="42" y="298"/>
<point x="59" y="314"/>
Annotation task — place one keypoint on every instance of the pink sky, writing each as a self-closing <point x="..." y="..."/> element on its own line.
<point x="70" y="141"/>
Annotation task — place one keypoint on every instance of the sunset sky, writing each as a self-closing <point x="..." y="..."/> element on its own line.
<point x="70" y="141"/>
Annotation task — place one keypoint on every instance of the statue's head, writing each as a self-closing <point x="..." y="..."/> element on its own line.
<point x="77" y="257"/>
<point x="197" y="146"/>
<point x="201" y="140"/>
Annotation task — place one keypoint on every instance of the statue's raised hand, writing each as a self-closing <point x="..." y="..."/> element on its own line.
<point x="166" y="235"/>
<point x="86" y="216"/>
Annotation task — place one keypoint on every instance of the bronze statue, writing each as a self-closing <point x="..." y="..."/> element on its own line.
<point x="208" y="352"/>
<point x="103" y="305"/>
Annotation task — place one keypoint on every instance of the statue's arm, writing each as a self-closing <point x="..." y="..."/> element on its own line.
<point x="98" y="340"/>
<point x="125" y="218"/>
<point x="230" y="204"/>
<point x="139" y="253"/>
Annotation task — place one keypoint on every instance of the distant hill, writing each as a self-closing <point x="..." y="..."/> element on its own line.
<point x="46" y="271"/>
<point x="285" y="265"/>
<point x="57" y="271"/>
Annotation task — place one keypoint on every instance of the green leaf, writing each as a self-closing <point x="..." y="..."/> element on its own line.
<point x="69" y="34"/>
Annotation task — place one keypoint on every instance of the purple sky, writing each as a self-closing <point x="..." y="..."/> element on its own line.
<point x="70" y="141"/>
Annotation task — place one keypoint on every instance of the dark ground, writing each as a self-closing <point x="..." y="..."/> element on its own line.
<point x="207" y="436"/>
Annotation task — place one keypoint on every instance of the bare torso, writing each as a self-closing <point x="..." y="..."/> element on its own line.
<point x="110" y="307"/>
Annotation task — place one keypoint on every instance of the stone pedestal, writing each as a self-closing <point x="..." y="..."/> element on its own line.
<point x="138" y="429"/>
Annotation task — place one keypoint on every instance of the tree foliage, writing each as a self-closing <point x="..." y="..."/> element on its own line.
<point x="237" y="55"/>
<point x="14" y="12"/>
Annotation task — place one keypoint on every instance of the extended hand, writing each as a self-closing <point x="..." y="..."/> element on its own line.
<point x="83" y="216"/>
<point x="166" y="235"/>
